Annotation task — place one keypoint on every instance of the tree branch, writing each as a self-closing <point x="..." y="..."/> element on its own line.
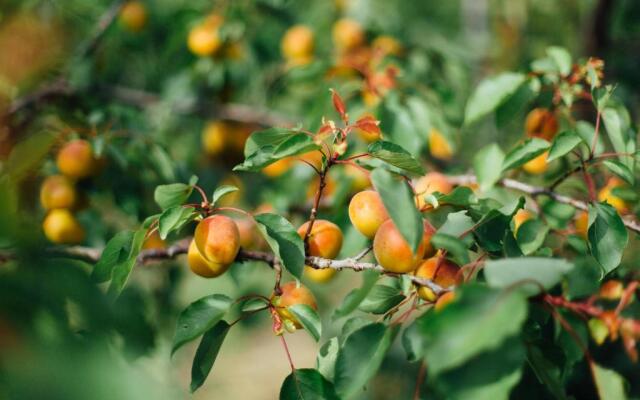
<point x="534" y="191"/>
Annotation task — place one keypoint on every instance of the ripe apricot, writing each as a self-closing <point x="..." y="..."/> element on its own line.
<point x="57" y="191"/>
<point x="605" y="195"/>
<point x="367" y="212"/>
<point x="278" y="168"/>
<point x="154" y="242"/>
<point x="218" y="239"/>
<point x="520" y="217"/>
<point x="393" y="252"/>
<point x="582" y="224"/>
<point x="444" y="299"/>
<point x="75" y="159"/>
<point x="133" y="15"/>
<point x="60" y="226"/>
<point x="202" y="267"/>
<point x="347" y="34"/>
<point x="430" y="183"/>
<point x="297" y="43"/>
<point x="204" y="39"/>
<point x="292" y="294"/>
<point x="386" y="45"/>
<point x="359" y="178"/>
<point x="441" y="271"/>
<point x="215" y="136"/>
<point x="325" y="240"/>
<point x="439" y="146"/>
<point x="249" y="235"/>
<point x="541" y="123"/>
<point x="537" y="165"/>
<point x="611" y="290"/>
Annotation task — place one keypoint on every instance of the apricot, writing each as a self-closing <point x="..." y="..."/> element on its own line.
<point x="605" y="195"/>
<point x="611" y="290"/>
<point x="215" y="136"/>
<point x="386" y="45"/>
<point x="201" y="266"/>
<point x="60" y="226"/>
<point x="444" y="300"/>
<point x="133" y="15"/>
<point x="439" y="146"/>
<point x="297" y="43"/>
<point x="541" y="123"/>
<point x="293" y="293"/>
<point x="431" y="183"/>
<point x="278" y="168"/>
<point x="57" y="191"/>
<point x="537" y="165"/>
<point x="441" y="271"/>
<point x="582" y="224"/>
<point x="75" y="159"/>
<point x="218" y="239"/>
<point x="359" y="177"/>
<point x="154" y="241"/>
<point x="325" y="240"/>
<point x="233" y="197"/>
<point x="347" y="34"/>
<point x="367" y="212"/>
<point x="249" y="235"/>
<point x="520" y="217"/>
<point x="393" y="252"/>
<point x="204" y="40"/>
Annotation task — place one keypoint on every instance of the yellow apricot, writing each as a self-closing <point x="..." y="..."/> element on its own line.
<point x="386" y="45"/>
<point x="541" y="123"/>
<point x="582" y="224"/>
<point x="325" y="240"/>
<point x="292" y="294"/>
<point x="232" y="198"/>
<point x="278" y="168"/>
<point x="133" y="15"/>
<point x="75" y="159"/>
<point x="215" y="135"/>
<point x="393" y="252"/>
<point x="444" y="300"/>
<point x="200" y="266"/>
<point x="57" y="191"/>
<point x="60" y="226"/>
<point x="360" y="178"/>
<point x="154" y="242"/>
<point x="520" y="217"/>
<point x="249" y="235"/>
<point x="204" y="40"/>
<point x="605" y="195"/>
<point x="441" y="271"/>
<point x="537" y="165"/>
<point x="611" y="290"/>
<point x="367" y="212"/>
<point x="439" y="146"/>
<point x="430" y="183"/>
<point x="297" y="43"/>
<point x="347" y="34"/>
<point x="218" y="239"/>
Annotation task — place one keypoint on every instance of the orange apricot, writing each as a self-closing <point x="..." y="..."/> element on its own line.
<point x="75" y="159"/>
<point x="386" y="45"/>
<point x="201" y="266"/>
<point x="393" y="252"/>
<point x="347" y="34"/>
<point x="293" y="293"/>
<point x="582" y="224"/>
<point x="297" y="43"/>
<point x="215" y="136"/>
<point x="611" y="290"/>
<point x="154" y="242"/>
<point x="60" y="226"/>
<point x="218" y="239"/>
<point x="367" y="212"/>
<point x="278" y="168"/>
<point x="444" y="300"/>
<point x="520" y="217"/>
<point x="605" y="195"/>
<point x="57" y="191"/>
<point x="430" y="183"/>
<point x="439" y="146"/>
<point x="541" y="123"/>
<point x="204" y="39"/>
<point x="538" y="165"/>
<point x="442" y="271"/>
<point x="133" y="15"/>
<point x="325" y="240"/>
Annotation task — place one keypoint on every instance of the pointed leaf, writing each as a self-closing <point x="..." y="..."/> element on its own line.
<point x="562" y="144"/>
<point x="396" y="156"/>
<point x="307" y="384"/>
<point x="199" y="317"/>
<point x="308" y="318"/>
<point x="487" y="165"/>
<point x="172" y="195"/>
<point x="490" y="94"/>
<point x="607" y="235"/>
<point x="222" y="191"/>
<point x="540" y="272"/>
<point x="207" y="353"/>
<point x="284" y="240"/>
<point x="524" y="152"/>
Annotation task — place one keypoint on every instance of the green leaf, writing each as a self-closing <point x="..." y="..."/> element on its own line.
<point x="456" y="224"/>
<point x="584" y="278"/>
<point x="398" y="200"/>
<point x="607" y="235"/>
<point x="172" y="195"/>
<point x="269" y="137"/>
<point x="620" y="170"/>
<point x="222" y="191"/>
<point x="360" y="357"/>
<point x="284" y="240"/>
<point x="462" y="196"/>
<point x="562" y="144"/>
<point x="381" y="299"/>
<point x="206" y="353"/>
<point x="617" y="130"/>
<point x="199" y="317"/>
<point x="562" y="58"/>
<point x="307" y="384"/>
<point x="413" y="343"/>
<point x="326" y="359"/>
<point x="396" y="156"/>
<point x="524" y="152"/>
<point x="479" y="320"/>
<point x="490" y="94"/>
<point x="353" y="299"/>
<point x="487" y="165"/>
<point x="531" y="235"/>
<point x="547" y="371"/>
<point x="528" y="272"/>
<point x="115" y="252"/>
<point x="609" y="383"/>
<point x="308" y="318"/>
<point x="122" y="270"/>
<point x="454" y="246"/>
<point x="175" y="218"/>
<point x="274" y="147"/>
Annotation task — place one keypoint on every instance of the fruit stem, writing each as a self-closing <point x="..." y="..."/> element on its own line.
<point x="286" y="350"/>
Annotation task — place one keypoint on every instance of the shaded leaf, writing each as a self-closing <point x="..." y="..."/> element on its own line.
<point x="381" y="299"/>
<point x="308" y="318"/>
<point x="172" y="195"/>
<point x="174" y="218"/>
<point x="491" y="93"/>
<point x="199" y="317"/>
<point x="207" y="353"/>
<point x="284" y="240"/>
<point x="487" y="165"/>
<point x="607" y="235"/>
<point x="527" y="151"/>
<point x="531" y="235"/>
<point x="562" y="144"/>
<point x="307" y="384"/>
<point x="396" y="156"/>
<point x="545" y="272"/>
<point x="222" y="191"/>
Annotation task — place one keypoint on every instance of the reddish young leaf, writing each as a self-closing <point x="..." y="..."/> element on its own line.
<point x="368" y="124"/>
<point x="338" y="104"/>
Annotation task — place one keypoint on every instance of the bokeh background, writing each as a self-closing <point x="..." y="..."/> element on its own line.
<point x="146" y="100"/>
